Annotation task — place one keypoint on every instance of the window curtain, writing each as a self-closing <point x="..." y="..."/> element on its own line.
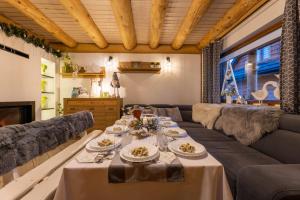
<point x="211" y="83"/>
<point x="290" y="58"/>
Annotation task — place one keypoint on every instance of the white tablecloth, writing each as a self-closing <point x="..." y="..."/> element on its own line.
<point x="204" y="180"/>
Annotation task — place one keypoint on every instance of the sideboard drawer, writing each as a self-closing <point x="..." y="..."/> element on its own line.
<point x="105" y="111"/>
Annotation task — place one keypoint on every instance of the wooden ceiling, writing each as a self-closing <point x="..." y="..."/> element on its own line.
<point x="167" y="26"/>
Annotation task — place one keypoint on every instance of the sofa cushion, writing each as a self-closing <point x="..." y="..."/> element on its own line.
<point x="203" y="134"/>
<point x="186" y="115"/>
<point x="276" y="182"/>
<point x="282" y="145"/>
<point x="185" y="125"/>
<point x="174" y="113"/>
<point x="233" y="162"/>
<point x="227" y="147"/>
<point x="290" y="122"/>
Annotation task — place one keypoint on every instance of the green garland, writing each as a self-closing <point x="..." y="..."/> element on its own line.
<point x="12" y="30"/>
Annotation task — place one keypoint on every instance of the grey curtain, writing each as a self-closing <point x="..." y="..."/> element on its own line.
<point x="211" y="73"/>
<point x="290" y="58"/>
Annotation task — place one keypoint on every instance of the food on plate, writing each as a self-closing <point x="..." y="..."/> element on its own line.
<point x="167" y="123"/>
<point x="116" y="129"/>
<point x="105" y="143"/>
<point x="140" y="152"/>
<point x="187" y="148"/>
<point x="173" y="132"/>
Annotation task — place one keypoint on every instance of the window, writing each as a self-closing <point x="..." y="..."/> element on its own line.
<point x="256" y="70"/>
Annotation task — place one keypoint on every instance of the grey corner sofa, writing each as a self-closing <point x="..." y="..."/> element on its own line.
<point x="266" y="170"/>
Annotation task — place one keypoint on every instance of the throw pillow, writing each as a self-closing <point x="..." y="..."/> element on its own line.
<point x="174" y="113"/>
<point x="162" y="112"/>
<point x="206" y="113"/>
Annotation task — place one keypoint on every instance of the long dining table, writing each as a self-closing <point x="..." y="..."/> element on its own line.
<point x="204" y="179"/>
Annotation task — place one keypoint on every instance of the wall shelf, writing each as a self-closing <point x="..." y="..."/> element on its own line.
<point x="43" y="92"/>
<point x="47" y="108"/>
<point x="139" y="67"/>
<point x="46" y="76"/>
<point x="139" y="70"/>
<point x="83" y="75"/>
<point x="48" y="94"/>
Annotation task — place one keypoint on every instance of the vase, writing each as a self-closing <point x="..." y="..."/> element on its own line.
<point x="228" y="99"/>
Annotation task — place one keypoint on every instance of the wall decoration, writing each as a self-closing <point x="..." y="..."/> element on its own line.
<point x="12" y="30"/>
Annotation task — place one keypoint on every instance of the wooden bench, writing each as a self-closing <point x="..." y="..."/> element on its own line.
<point x="41" y="182"/>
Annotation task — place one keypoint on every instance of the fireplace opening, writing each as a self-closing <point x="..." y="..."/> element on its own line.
<point x="16" y="112"/>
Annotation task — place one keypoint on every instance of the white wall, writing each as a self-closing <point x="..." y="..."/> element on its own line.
<point x="20" y="78"/>
<point x="267" y="15"/>
<point x="180" y="85"/>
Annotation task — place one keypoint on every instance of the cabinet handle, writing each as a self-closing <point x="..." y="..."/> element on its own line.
<point x="72" y="108"/>
<point x="91" y="108"/>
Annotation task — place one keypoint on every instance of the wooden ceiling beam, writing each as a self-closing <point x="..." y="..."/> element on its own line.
<point x="80" y="13"/>
<point x="31" y="11"/>
<point x="119" y="48"/>
<point x="197" y="9"/>
<point x="158" y="11"/>
<point x="124" y="18"/>
<point x="232" y="18"/>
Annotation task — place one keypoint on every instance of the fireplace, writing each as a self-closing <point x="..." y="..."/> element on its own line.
<point x="16" y="112"/>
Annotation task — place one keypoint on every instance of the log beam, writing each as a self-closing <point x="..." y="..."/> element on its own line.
<point x="124" y="18"/>
<point x="233" y="17"/>
<point x="158" y="11"/>
<point x="197" y="9"/>
<point x="80" y="13"/>
<point x="119" y="48"/>
<point x="31" y="11"/>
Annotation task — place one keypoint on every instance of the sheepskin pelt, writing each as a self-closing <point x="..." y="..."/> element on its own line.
<point x="21" y="143"/>
<point x="248" y="123"/>
<point x="206" y="113"/>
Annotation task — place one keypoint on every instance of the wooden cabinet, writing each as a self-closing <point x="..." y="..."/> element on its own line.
<point x="105" y="110"/>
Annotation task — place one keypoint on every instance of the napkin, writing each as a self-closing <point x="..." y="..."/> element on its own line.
<point x="86" y="157"/>
<point x="167" y="157"/>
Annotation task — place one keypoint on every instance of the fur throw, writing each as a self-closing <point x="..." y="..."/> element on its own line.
<point x="206" y="113"/>
<point x="248" y="123"/>
<point x="22" y="142"/>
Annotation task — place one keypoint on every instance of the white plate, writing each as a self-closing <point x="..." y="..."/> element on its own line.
<point x="168" y="124"/>
<point x="93" y="144"/>
<point x="174" y="147"/>
<point x="127" y="117"/>
<point x="110" y="129"/>
<point x="165" y="118"/>
<point x="123" y="122"/>
<point x="125" y="153"/>
<point x="181" y="132"/>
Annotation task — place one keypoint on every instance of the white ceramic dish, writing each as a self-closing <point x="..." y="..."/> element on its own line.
<point x="125" y="153"/>
<point x="94" y="146"/>
<point x="165" y="118"/>
<point x="168" y="124"/>
<point x="199" y="148"/>
<point x="123" y="129"/>
<point x="175" y="132"/>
